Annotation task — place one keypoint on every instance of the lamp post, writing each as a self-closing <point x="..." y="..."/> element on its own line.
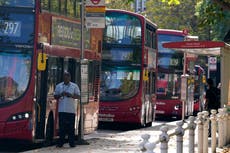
<point x="83" y="74"/>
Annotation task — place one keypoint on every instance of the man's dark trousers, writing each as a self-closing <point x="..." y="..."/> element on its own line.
<point x="66" y="127"/>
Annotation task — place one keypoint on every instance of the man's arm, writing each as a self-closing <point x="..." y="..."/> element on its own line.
<point x="57" y="93"/>
<point x="76" y="94"/>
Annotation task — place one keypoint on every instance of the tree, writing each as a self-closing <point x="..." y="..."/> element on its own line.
<point x="208" y="19"/>
<point x="120" y="4"/>
<point x="176" y="17"/>
<point x="213" y="19"/>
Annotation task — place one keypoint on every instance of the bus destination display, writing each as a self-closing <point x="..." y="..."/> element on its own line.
<point x="10" y="28"/>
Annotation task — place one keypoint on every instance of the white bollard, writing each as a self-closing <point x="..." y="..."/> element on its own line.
<point x="150" y="147"/>
<point x="213" y="119"/>
<point x="220" y="128"/>
<point x="228" y="129"/>
<point x="192" y="127"/>
<point x="145" y="138"/>
<point x="179" y="136"/>
<point x="205" y="131"/>
<point x="164" y="138"/>
<point x="225" y="123"/>
<point x="200" y="132"/>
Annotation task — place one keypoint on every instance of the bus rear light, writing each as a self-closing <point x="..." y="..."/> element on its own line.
<point x="20" y="116"/>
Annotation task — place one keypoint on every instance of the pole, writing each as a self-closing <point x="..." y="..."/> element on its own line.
<point x="81" y="140"/>
<point x="208" y="67"/>
<point x="82" y="29"/>
<point x="184" y="101"/>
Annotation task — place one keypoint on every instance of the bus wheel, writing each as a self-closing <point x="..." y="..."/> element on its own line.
<point x="49" y="131"/>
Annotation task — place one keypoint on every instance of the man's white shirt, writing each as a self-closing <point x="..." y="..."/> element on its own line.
<point x="67" y="104"/>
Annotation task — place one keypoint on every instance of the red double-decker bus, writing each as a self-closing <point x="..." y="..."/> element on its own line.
<point x="128" y="71"/>
<point x="39" y="40"/>
<point x="169" y="78"/>
<point x="170" y="69"/>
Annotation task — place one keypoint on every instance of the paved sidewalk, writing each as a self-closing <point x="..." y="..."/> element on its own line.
<point x="123" y="142"/>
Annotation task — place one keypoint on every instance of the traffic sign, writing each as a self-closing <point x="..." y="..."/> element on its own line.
<point x="95" y="14"/>
<point x="95" y="3"/>
<point x="212" y="60"/>
<point x="212" y="63"/>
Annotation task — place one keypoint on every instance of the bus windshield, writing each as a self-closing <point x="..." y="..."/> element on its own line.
<point x="122" y="29"/>
<point x="17" y="3"/>
<point x="168" y="86"/>
<point x="164" y="38"/>
<point x="119" y="84"/>
<point x="16" y="26"/>
<point x="14" y="75"/>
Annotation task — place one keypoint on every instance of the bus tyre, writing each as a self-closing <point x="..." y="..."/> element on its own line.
<point x="49" y="131"/>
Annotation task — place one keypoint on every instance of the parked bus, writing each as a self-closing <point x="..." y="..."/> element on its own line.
<point x="46" y="34"/>
<point x="128" y="71"/>
<point x="170" y="69"/>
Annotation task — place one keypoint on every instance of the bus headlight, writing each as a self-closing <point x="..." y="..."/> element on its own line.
<point x="20" y="116"/>
<point x="177" y="107"/>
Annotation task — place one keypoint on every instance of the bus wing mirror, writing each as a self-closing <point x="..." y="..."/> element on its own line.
<point x="41" y="61"/>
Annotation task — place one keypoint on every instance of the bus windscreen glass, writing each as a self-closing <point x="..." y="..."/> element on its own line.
<point x="169" y="59"/>
<point x="119" y="84"/>
<point x="170" y="67"/>
<point x="17" y="3"/>
<point x="122" y="29"/>
<point x="16" y="27"/>
<point x="14" y="75"/>
<point x="168" y="86"/>
<point x="164" y="38"/>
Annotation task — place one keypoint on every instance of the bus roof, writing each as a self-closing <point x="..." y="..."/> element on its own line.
<point x="133" y="13"/>
<point x="171" y="31"/>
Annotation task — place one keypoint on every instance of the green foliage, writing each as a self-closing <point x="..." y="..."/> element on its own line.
<point x="208" y="19"/>
<point x="120" y="4"/>
<point x="213" y="19"/>
<point x="208" y="13"/>
<point x="173" y="2"/>
<point x="176" y="17"/>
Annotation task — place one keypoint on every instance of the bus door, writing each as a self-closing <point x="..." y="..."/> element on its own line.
<point x="148" y="81"/>
<point x="45" y="85"/>
<point x="152" y="87"/>
<point x="41" y="95"/>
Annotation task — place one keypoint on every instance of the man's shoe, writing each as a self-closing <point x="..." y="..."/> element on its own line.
<point x="59" y="145"/>
<point x="72" y="145"/>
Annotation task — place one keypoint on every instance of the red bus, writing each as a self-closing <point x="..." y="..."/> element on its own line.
<point x="128" y="71"/>
<point x="28" y="29"/>
<point x="170" y="69"/>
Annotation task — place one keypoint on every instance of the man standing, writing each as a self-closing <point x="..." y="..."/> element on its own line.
<point x="66" y="92"/>
<point x="212" y="96"/>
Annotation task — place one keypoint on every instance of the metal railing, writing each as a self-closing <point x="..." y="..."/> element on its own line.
<point x="219" y="124"/>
